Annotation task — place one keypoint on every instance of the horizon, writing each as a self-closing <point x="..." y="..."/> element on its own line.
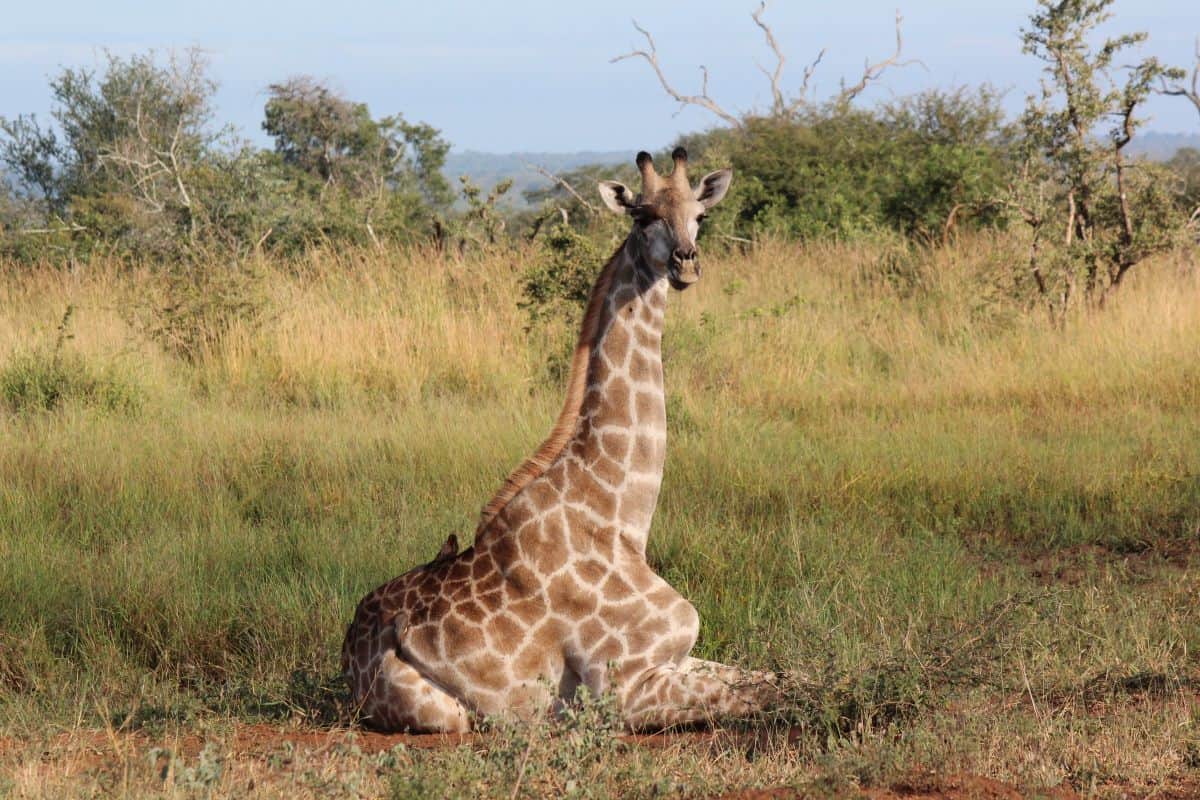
<point x="539" y="74"/>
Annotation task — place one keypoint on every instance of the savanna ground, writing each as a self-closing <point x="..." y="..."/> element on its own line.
<point x="972" y="529"/>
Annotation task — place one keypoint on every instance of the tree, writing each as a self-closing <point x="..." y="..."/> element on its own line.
<point x="380" y="172"/>
<point x="1076" y="177"/>
<point x="809" y="168"/>
<point x="336" y="140"/>
<point x="133" y="162"/>
<point x="125" y="151"/>
<point x="32" y="154"/>
<point x="133" y="139"/>
<point x="948" y="155"/>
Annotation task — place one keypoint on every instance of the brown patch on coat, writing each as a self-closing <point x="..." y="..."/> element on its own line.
<point x="617" y="588"/>
<point x="567" y="597"/>
<point x="551" y="555"/>
<point x="615" y="444"/>
<point x="591" y="571"/>
<point x="506" y="634"/>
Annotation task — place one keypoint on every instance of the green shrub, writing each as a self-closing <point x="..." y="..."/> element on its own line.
<point x="558" y="283"/>
<point x="554" y="291"/>
<point x="576" y="754"/>
<point x="42" y="380"/>
<point x="191" y="311"/>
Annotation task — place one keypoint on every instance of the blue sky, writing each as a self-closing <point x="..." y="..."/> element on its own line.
<point x="535" y="74"/>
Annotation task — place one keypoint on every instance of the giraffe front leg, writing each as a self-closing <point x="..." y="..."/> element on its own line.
<point x="399" y="698"/>
<point x="695" y="691"/>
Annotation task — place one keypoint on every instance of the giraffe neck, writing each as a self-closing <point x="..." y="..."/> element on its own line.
<point x="604" y="457"/>
<point x="620" y="440"/>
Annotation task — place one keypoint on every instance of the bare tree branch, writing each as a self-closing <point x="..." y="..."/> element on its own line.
<point x="1123" y="138"/>
<point x="1191" y="92"/>
<point x="801" y="97"/>
<point x="702" y="100"/>
<point x="540" y="221"/>
<point x="781" y="105"/>
<point x="153" y="157"/>
<point x="1069" y="235"/>
<point x="778" y="106"/>
<point x="1035" y="267"/>
<point x="951" y="221"/>
<point x="564" y="184"/>
<point x="872" y="72"/>
<point x="185" y="197"/>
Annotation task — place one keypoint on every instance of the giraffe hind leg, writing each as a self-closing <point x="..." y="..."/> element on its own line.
<point x="401" y="699"/>
<point x="695" y="691"/>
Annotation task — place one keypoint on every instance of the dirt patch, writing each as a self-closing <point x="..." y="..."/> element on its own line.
<point x="91" y="749"/>
<point x="1083" y="563"/>
<point x="964" y="787"/>
<point x="261" y="740"/>
<point x="1073" y="565"/>
<point x="927" y="787"/>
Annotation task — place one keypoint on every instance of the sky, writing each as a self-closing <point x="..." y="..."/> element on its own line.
<point x="534" y="75"/>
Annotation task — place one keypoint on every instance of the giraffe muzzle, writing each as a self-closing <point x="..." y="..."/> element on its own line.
<point x="683" y="272"/>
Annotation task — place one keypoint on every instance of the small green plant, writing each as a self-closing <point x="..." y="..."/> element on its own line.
<point x="575" y="754"/>
<point x="205" y="775"/>
<point x="44" y="379"/>
<point x="201" y="778"/>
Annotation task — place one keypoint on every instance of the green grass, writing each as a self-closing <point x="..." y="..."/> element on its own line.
<point x="968" y="529"/>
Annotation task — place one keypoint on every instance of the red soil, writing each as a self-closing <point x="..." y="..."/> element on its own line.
<point x="263" y="740"/>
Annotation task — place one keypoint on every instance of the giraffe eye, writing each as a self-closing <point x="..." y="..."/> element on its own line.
<point x="701" y="218"/>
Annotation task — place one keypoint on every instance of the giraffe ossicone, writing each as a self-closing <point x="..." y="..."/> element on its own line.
<point x="555" y="593"/>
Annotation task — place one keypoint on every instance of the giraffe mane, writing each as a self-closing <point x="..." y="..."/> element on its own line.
<point x="564" y="427"/>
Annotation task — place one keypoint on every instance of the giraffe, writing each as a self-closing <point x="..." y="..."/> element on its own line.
<point x="556" y="593"/>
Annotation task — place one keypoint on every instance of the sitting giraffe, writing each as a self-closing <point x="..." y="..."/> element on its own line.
<point x="556" y="592"/>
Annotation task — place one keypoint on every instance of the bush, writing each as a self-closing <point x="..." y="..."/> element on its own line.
<point x="558" y="283"/>
<point x="554" y="291"/>
<point x="1185" y="167"/>
<point x="132" y="164"/>
<point x="921" y="166"/>
<point x="191" y="311"/>
<point x="41" y="380"/>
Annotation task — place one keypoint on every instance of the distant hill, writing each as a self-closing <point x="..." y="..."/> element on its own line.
<point x="488" y="169"/>
<point x="1161" y="146"/>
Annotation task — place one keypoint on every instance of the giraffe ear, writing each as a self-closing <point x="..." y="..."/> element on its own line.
<point x="713" y="187"/>
<point x="616" y="196"/>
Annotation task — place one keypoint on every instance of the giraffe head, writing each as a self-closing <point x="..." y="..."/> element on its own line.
<point x="667" y="214"/>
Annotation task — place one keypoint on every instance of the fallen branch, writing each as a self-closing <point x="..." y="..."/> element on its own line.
<point x="72" y="228"/>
